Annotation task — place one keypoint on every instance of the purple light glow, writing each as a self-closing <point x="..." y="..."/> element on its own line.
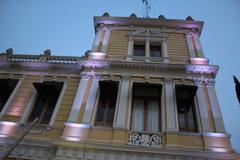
<point x="201" y="69"/>
<point x="7" y="128"/>
<point x="74" y="139"/>
<point x="69" y="124"/>
<point x="219" y="150"/>
<point x="8" y="123"/>
<point x="36" y="65"/>
<point x="75" y="131"/>
<point x="211" y="134"/>
<point x="94" y="64"/>
<point x="189" y="25"/>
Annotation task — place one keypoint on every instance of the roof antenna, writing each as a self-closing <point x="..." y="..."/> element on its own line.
<point x="147" y="4"/>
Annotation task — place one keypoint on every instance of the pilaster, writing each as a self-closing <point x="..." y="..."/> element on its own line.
<point x="198" y="45"/>
<point x="205" y="114"/>
<point x="105" y="41"/>
<point x="123" y="99"/>
<point x="147" y="48"/>
<point x="189" y="38"/>
<point x="171" y="110"/>
<point x="97" y="40"/>
<point x="130" y="48"/>
<point x="165" y="50"/>
<point x="91" y="97"/>
<point x="217" y="115"/>
<point x="76" y="107"/>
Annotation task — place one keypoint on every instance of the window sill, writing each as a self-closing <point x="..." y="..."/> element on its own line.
<point x="146" y="132"/>
<point x="189" y="133"/>
<point x="102" y="127"/>
<point x="37" y="128"/>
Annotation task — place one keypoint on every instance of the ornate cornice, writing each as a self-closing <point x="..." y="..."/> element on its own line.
<point x="151" y="22"/>
<point x="75" y="65"/>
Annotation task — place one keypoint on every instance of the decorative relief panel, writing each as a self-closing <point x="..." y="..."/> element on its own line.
<point x="144" y="139"/>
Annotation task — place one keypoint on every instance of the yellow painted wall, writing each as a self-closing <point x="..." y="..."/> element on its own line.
<point x="118" y="44"/>
<point x="177" y="47"/>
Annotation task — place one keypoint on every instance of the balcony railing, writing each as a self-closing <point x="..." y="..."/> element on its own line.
<point x="25" y="58"/>
<point x="145" y="139"/>
<point x="147" y="59"/>
<point x="62" y="59"/>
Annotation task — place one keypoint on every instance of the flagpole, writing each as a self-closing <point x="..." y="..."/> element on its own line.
<point x="18" y="140"/>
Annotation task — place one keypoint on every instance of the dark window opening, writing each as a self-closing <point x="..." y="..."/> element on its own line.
<point x="107" y="103"/>
<point x="186" y="109"/>
<point x="139" y="50"/>
<point x="155" y="51"/>
<point x="48" y="93"/>
<point x="146" y="108"/>
<point x="6" y="88"/>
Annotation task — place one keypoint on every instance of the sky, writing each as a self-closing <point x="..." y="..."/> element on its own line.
<point x="66" y="27"/>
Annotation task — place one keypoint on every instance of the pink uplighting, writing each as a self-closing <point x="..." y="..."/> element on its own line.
<point x="75" y="131"/>
<point x="197" y="60"/>
<point x="210" y="134"/>
<point x="7" y="128"/>
<point x="68" y="124"/>
<point x="96" y="55"/>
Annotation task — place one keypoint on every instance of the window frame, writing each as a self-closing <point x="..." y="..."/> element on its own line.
<point x="30" y="106"/>
<point x="149" y="38"/>
<point x="12" y="95"/>
<point x="160" y="105"/>
<point x="46" y="105"/>
<point x="194" y="110"/>
<point x="96" y="123"/>
<point x="155" y="45"/>
<point x="138" y="45"/>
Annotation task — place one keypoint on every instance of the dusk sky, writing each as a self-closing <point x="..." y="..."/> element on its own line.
<point x="66" y="27"/>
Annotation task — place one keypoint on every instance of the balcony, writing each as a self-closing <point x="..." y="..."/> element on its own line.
<point x="145" y="139"/>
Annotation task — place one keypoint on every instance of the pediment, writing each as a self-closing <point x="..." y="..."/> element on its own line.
<point x="146" y="33"/>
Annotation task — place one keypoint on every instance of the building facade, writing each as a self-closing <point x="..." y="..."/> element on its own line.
<point x="144" y="91"/>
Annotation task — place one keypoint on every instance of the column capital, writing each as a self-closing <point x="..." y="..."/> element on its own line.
<point x="210" y="82"/>
<point x="204" y="81"/>
<point x="131" y="38"/>
<point x="125" y="77"/>
<point x="168" y="79"/>
<point x="164" y="35"/>
<point x="189" y="34"/>
<point x="147" y="79"/>
<point x="91" y="75"/>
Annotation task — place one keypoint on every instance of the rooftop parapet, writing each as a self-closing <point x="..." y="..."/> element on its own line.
<point x="162" y="21"/>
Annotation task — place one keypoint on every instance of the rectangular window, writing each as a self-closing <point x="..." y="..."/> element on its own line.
<point x="155" y="50"/>
<point x="186" y="108"/>
<point x="6" y="88"/>
<point x="107" y="103"/>
<point x="146" y="108"/>
<point x="139" y="50"/>
<point x="48" y="93"/>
